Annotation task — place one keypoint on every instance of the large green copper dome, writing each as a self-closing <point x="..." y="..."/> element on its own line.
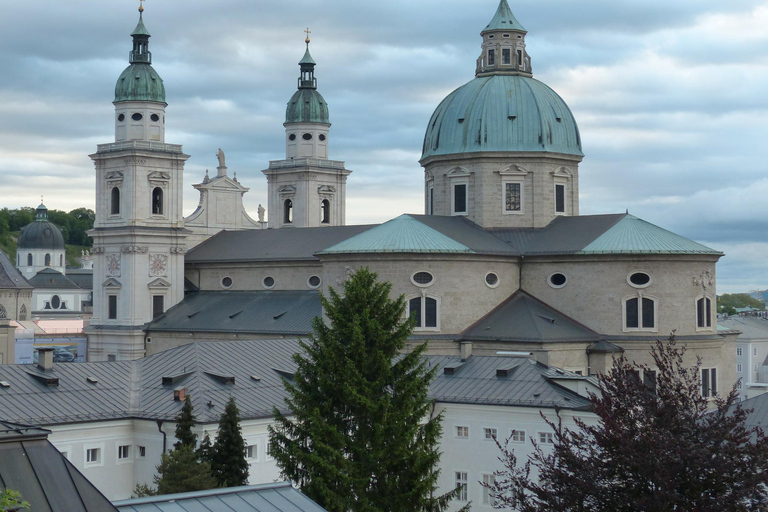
<point x="140" y="82"/>
<point x="502" y="113"/>
<point x="307" y="106"/>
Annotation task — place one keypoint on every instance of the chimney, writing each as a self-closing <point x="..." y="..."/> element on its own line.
<point x="541" y="356"/>
<point x="180" y="394"/>
<point x="45" y="358"/>
<point x="466" y="350"/>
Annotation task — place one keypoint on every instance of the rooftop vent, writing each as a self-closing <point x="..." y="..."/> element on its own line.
<point x="452" y="368"/>
<point x="92" y="380"/>
<point x="255" y="378"/>
<point x="5" y="384"/>
<point x="173" y="379"/>
<point x="45" y="379"/>
<point x="505" y="372"/>
<point x="548" y="319"/>
<point x="284" y="373"/>
<point x="224" y="379"/>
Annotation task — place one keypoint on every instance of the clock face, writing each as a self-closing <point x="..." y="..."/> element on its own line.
<point x="158" y="264"/>
<point x="113" y="265"/>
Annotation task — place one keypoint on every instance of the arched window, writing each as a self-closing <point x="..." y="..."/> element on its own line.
<point x="425" y="311"/>
<point x="640" y="313"/>
<point x="3" y="313"/>
<point x="115" y="203"/>
<point x="29" y="260"/>
<point x="704" y="313"/>
<point x="287" y="211"/>
<point x="47" y="260"/>
<point x="23" y="312"/>
<point x="325" y="212"/>
<point x="157" y="201"/>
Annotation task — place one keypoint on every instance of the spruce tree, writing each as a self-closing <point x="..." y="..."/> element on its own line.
<point x="185" y="423"/>
<point x="205" y="450"/>
<point x="228" y="452"/>
<point x="358" y="435"/>
<point x="181" y="471"/>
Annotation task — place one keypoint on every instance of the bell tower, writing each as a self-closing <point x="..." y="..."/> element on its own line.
<point x="139" y="235"/>
<point x="306" y="189"/>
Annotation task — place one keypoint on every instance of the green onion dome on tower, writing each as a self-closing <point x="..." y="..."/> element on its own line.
<point x="41" y="234"/>
<point x="503" y="108"/>
<point x="139" y="81"/>
<point x="307" y="105"/>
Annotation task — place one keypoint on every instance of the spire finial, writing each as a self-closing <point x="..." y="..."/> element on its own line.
<point x="307" y="39"/>
<point x="141" y="6"/>
<point x="41" y="199"/>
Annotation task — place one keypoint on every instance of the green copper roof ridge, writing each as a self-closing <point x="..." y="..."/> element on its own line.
<point x="504" y="18"/>
<point x="307" y="58"/>
<point x="140" y="29"/>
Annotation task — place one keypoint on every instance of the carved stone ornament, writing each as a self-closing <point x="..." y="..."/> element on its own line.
<point x="128" y="249"/>
<point x="179" y="249"/>
<point x="158" y="265"/>
<point x="113" y="265"/>
<point x="97" y="250"/>
<point x="135" y="161"/>
<point x="705" y="279"/>
<point x="114" y="176"/>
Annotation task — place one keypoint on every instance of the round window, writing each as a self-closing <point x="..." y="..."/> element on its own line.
<point x="491" y="36"/>
<point x="505" y="35"/>
<point x="492" y="279"/>
<point x="226" y="282"/>
<point x="307" y="136"/>
<point x="557" y="280"/>
<point x="154" y="117"/>
<point x="269" y="282"/>
<point x="321" y="137"/>
<point x="422" y="278"/>
<point x="313" y="281"/>
<point x="292" y="136"/>
<point x="639" y="279"/>
<point x="121" y="117"/>
<point x="137" y="117"/>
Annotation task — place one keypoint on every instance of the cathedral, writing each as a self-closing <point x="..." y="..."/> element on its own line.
<point x="499" y="261"/>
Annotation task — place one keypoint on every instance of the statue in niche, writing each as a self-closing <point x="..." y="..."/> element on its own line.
<point x="221" y="157"/>
<point x="261" y="213"/>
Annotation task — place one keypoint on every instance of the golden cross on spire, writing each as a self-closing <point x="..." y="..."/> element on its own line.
<point x="141" y="5"/>
<point x="307" y="39"/>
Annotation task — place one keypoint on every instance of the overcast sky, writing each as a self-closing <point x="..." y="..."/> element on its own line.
<point x="670" y="97"/>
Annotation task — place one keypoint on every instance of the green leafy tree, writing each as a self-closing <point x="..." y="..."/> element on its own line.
<point x="228" y="452"/>
<point x="179" y="471"/>
<point x="728" y="302"/>
<point x="185" y="424"/>
<point x="359" y="434"/>
<point x="11" y="501"/>
<point x="655" y="447"/>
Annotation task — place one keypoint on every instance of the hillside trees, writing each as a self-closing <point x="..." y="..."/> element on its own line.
<point x="655" y="447"/>
<point x="359" y="435"/>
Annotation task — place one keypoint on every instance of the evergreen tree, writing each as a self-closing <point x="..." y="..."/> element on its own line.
<point x="228" y="452"/>
<point x="655" y="447"/>
<point x="185" y="424"/>
<point x="205" y="450"/>
<point x="358" y="435"/>
<point x="181" y="471"/>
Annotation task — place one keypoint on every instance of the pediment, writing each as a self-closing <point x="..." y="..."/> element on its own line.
<point x="111" y="283"/>
<point x="514" y="170"/>
<point x="326" y="189"/>
<point x="159" y="176"/>
<point x="114" y="176"/>
<point x="563" y="172"/>
<point x="458" y="172"/>
<point x="159" y="283"/>
<point x="287" y="189"/>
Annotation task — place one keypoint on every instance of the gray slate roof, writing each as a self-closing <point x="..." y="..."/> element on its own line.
<point x="250" y="371"/>
<point x="10" y="277"/>
<point x="523" y="318"/>
<point x="759" y="415"/>
<point x="753" y="329"/>
<point x="270" y="244"/>
<point x="564" y="235"/>
<point x="30" y="464"/>
<point x="255" y="312"/>
<point x="272" y="497"/>
<point x="82" y="277"/>
<point x="49" y="278"/>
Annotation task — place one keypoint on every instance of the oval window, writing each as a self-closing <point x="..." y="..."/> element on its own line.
<point x="137" y="117"/>
<point x="292" y="136"/>
<point x="55" y="302"/>
<point x="226" y="282"/>
<point x="313" y="281"/>
<point x="422" y="278"/>
<point x="307" y="136"/>
<point x="639" y="279"/>
<point x="121" y="117"/>
<point x="492" y="279"/>
<point x="269" y="282"/>
<point x="154" y="117"/>
<point x="557" y="280"/>
<point x="321" y="137"/>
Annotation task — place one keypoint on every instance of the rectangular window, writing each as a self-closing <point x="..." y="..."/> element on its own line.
<point x="251" y="451"/>
<point x="703" y="313"/>
<point x="112" y="307"/>
<point x="489" y="433"/>
<point x="461" y="484"/>
<point x="513" y="197"/>
<point x="738" y="385"/>
<point x="124" y="452"/>
<point x="158" y="302"/>
<point x="754" y="351"/>
<point x="546" y="438"/>
<point x="111" y="358"/>
<point x="460" y="198"/>
<point x="518" y="436"/>
<point x="506" y="56"/>
<point x="519" y="57"/>
<point x="491" y="57"/>
<point x="708" y="382"/>
<point x="488" y="479"/>
<point x="739" y="351"/>
<point x="631" y="320"/>
<point x="559" y="198"/>
<point x="462" y="432"/>
<point x="431" y="200"/>
<point x="142" y="451"/>
<point x="93" y="455"/>
<point x="430" y="312"/>
<point x="414" y="309"/>
<point x="739" y="368"/>
<point x="649" y="379"/>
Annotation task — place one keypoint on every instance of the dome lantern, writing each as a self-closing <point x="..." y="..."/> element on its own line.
<point x="504" y="45"/>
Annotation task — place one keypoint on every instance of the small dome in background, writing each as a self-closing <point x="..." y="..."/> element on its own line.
<point x="41" y="234"/>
